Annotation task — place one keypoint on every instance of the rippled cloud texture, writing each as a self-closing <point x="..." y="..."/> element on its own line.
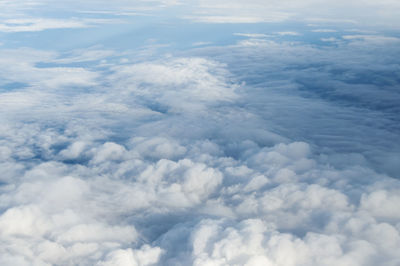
<point x="177" y="133"/>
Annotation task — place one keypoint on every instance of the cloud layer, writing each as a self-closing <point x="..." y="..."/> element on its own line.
<point x="167" y="177"/>
<point x="266" y="151"/>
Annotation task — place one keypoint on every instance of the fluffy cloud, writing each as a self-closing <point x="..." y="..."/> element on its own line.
<point x="142" y="257"/>
<point x="123" y="205"/>
<point x="214" y="156"/>
<point x="188" y="83"/>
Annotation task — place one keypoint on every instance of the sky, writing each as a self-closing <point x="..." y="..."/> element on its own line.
<point x="207" y="133"/>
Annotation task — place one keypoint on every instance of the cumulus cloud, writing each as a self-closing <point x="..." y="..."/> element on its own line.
<point x="129" y="208"/>
<point x="140" y="203"/>
<point x="189" y="83"/>
<point x="261" y="152"/>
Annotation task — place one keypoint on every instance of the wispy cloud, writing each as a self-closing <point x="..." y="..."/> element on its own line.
<point x="253" y="35"/>
<point x="372" y="38"/>
<point x="40" y="24"/>
<point x="288" y="33"/>
<point x="274" y="17"/>
<point x="324" y="30"/>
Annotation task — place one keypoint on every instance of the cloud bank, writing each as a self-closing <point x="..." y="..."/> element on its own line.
<point x="156" y="171"/>
<point x="264" y="151"/>
<point x="362" y="12"/>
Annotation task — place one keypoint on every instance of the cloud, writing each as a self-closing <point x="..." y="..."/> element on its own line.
<point x="372" y="38"/>
<point x="274" y="17"/>
<point x="288" y="33"/>
<point x="256" y="11"/>
<point x="330" y="39"/>
<point x="40" y="24"/>
<point x="21" y="65"/>
<point x="261" y="152"/>
<point x="254" y="242"/>
<point x="290" y="92"/>
<point x="145" y="256"/>
<point x="21" y="25"/>
<point x="37" y="15"/>
<point x="383" y="14"/>
<point x="324" y="30"/>
<point x="252" y="35"/>
<point x="188" y="83"/>
<point x="130" y="204"/>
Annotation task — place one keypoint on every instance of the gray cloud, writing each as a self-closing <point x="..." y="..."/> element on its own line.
<point x="315" y="89"/>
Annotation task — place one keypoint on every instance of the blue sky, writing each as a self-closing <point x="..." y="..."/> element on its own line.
<point x="199" y="132"/>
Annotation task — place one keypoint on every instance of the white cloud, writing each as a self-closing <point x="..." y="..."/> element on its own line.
<point x="20" y="65"/>
<point x="40" y="24"/>
<point x="288" y="33"/>
<point x="382" y="204"/>
<point x="256" y="11"/>
<point x="324" y="30"/>
<point x="274" y="204"/>
<point x="193" y="160"/>
<point x="188" y="83"/>
<point x="253" y="35"/>
<point x="330" y="39"/>
<point x="383" y="14"/>
<point x="145" y="256"/>
<point x="237" y="19"/>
